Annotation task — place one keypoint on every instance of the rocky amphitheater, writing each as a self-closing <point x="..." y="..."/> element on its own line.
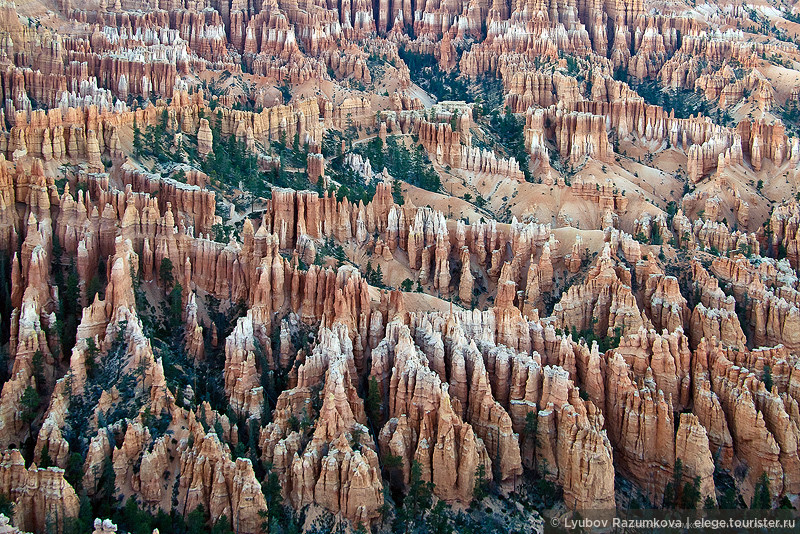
<point x="396" y="266"/>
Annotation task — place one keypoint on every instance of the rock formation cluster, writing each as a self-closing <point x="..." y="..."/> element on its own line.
<point x="266" y="265"/>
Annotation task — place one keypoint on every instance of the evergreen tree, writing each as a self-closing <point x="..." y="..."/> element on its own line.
<point x="481" y="489"/>
<point x="82" y="523"/>
<point x="418" y="500"/>
<point x="531" y="428"/>
<point x="92" y="289"/>
<point x="165" y="273"/>
<point x="762" y="499"/>
<point x="392" y="462"/>
<point x="175" y="306"/>
<point x="90" y="355"/>
<point x="74" y="471"/>
<point x="222" y="526"/>
<point x="437" y="521"/>
<point x="6" y="506"/>
<point x="137" y="140"/>
<point x="728" y="500"/>
<point x="278" y="518"/>
<point x="196" y="520"/>
<point x="672" y="492"/>
<point x="766" y="377"/>
<point x="397" y="193"/>
<point x="374" y="409"/>
<point x="38" y="370"/>
<point x="105" y="496"/>
<point x="69" y="308"/>
<point x="30" y="404"/>
<point x="46" y="461"/>
<point x="690" y="497"/>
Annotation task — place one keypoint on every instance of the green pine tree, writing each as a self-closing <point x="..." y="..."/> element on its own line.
<point x="165" y="273"/>
<point x="766" y="377"/>
<point x="137" y="140"/>
<point x="762" y="499"/>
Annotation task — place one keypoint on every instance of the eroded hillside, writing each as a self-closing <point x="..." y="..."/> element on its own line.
<point x="277" y="266"/>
